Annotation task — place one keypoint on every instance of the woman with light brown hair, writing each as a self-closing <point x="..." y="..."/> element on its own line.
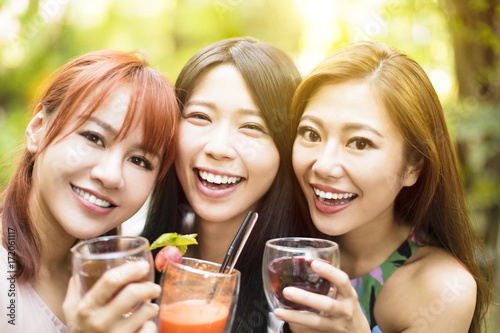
<point x="103" y="134"/>
<point x="378" y="170"/>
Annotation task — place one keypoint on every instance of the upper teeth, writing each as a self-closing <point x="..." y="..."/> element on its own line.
<point x="330" y="195"/>
<point x="91" y="198"/>
<point x="218" y="179"/>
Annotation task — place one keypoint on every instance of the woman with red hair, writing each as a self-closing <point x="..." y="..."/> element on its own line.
<point x="102" y="135"/>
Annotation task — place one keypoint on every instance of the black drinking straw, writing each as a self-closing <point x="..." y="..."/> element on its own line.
<point x="238" y="242"/>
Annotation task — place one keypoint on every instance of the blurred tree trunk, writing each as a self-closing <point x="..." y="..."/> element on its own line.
<point x="475" y="31"/>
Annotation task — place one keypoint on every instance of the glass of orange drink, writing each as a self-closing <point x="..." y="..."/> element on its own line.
<point x="196" y="298"/>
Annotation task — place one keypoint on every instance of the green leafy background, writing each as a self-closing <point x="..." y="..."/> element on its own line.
<point x="456" y="41"/>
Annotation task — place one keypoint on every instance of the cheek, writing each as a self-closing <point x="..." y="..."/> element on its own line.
<point x="263" y="162"/>
<point x="298" y="161"/>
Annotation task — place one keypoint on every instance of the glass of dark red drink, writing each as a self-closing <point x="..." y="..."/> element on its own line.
<point x="287" y="263"/>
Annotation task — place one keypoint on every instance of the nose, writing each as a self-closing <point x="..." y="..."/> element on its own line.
<point x="220" y="144"/>
<point x="329" y="163"/>
<point x="108" y="171"/>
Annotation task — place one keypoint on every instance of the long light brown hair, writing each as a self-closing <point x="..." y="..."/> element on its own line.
<point x="90" y="79"/>
<point x="436" y="205"/>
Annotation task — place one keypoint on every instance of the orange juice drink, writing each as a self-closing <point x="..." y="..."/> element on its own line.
<point x="193" y="316"/>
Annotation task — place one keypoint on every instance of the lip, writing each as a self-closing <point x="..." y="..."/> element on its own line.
<point x="215" y="193"/>
<point x="324" y="208"/>
<point x="93" y="208"/>
<point x="216" y="172"/>
<point x="325" y="188"/>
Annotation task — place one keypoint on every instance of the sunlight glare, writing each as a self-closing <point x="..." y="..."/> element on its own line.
<point x="320" y="30"/>
<point x="441" y="81"/>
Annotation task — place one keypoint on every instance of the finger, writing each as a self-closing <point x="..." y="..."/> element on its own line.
<point x="148" y="327"/>
<point x="71" y="303"/>
<point x="139" y="320"/>
<point x="302" y="329"/>
<point x="129" y="297"/>
<point x="113" y="280"/>
<point x="303" y="321"/>
<point x="320" y="303"/>
<point x="336" y="276"/>
<point x="72" y="296"/>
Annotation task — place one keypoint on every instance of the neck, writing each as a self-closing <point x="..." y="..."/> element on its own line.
<point x="214" y="238"/>
<point x="54" y="242"/>
<point x="364" y="249"/>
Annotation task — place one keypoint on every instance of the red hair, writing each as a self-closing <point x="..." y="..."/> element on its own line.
<point x="91" y="78"/>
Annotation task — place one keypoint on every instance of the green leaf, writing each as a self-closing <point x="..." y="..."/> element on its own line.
<point x="173" y="239"/>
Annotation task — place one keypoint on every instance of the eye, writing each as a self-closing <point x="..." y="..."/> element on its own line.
<point x="197" y="116"/>
<point x="360" y="143"/>
<point x="94" y="138"/>
<point x="308" y="134"/>
<point x="255" y="127"/>
<point x="141" y="161"/>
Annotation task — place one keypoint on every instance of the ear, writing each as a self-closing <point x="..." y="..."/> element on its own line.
<point x="413" y="168"/>
<point x="34" y="130"/>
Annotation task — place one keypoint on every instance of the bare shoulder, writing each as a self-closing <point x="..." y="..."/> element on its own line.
<point x="428" y="291"/>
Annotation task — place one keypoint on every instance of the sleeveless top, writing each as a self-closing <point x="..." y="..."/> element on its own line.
<point x="369" y="285"/>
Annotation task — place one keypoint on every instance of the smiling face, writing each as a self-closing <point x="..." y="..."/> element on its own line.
<point x="90" y="180"/>
<point x="226" y="159"/>
<point x="349" y="159"/>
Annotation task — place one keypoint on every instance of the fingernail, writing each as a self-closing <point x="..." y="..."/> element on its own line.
<point x="157" y="289"/>
<point x="318" y="265"/>
<point x="143" y="265"/>
<point x="289" y="291"/>
<point x="278" y="313"/>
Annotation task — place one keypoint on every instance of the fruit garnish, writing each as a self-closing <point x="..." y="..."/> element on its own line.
<point x="173" y="239"/>
<point x="167" y="253"/>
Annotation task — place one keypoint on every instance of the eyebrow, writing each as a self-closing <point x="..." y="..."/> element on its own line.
<point x="105" y="126"/>
<point x="358" y="126"/>
<point x="346" y="127"/>
<point x="210" y="105"/>
<point x="108" y="128"/>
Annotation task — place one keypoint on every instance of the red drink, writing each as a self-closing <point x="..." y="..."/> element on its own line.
<point x="295" y="272"/>
<point x="193" y="316"/>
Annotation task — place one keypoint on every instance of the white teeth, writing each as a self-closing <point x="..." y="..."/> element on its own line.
<point x="91" y="198"/>
<point x="330" y="195"/>
<point x="218" y="179"/>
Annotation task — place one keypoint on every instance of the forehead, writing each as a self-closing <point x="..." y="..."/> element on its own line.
<point x="225" y="86"/>
<point x="114" y="108"/>
<point x="353" y="101"/>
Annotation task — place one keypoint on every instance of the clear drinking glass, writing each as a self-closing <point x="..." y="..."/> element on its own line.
<point x="197" y="298"/>
<point x="287" y="263"/>
<point x="93" y="257"/>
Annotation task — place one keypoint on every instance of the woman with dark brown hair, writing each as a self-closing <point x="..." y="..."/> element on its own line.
<point x="378" y="170"/>
<point x="102" y="135"/>
<point x="234" y="155"/>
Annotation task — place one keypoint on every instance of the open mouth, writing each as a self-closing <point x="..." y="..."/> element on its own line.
<point x="217" y="182"/>
<point x="92" y="198"/>
<point x="332" y="199"/>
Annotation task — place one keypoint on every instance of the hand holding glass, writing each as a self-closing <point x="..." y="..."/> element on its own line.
<point x="287" y="263"/>
<point x="93" y="257"/>
<point x="196" y="298"/>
